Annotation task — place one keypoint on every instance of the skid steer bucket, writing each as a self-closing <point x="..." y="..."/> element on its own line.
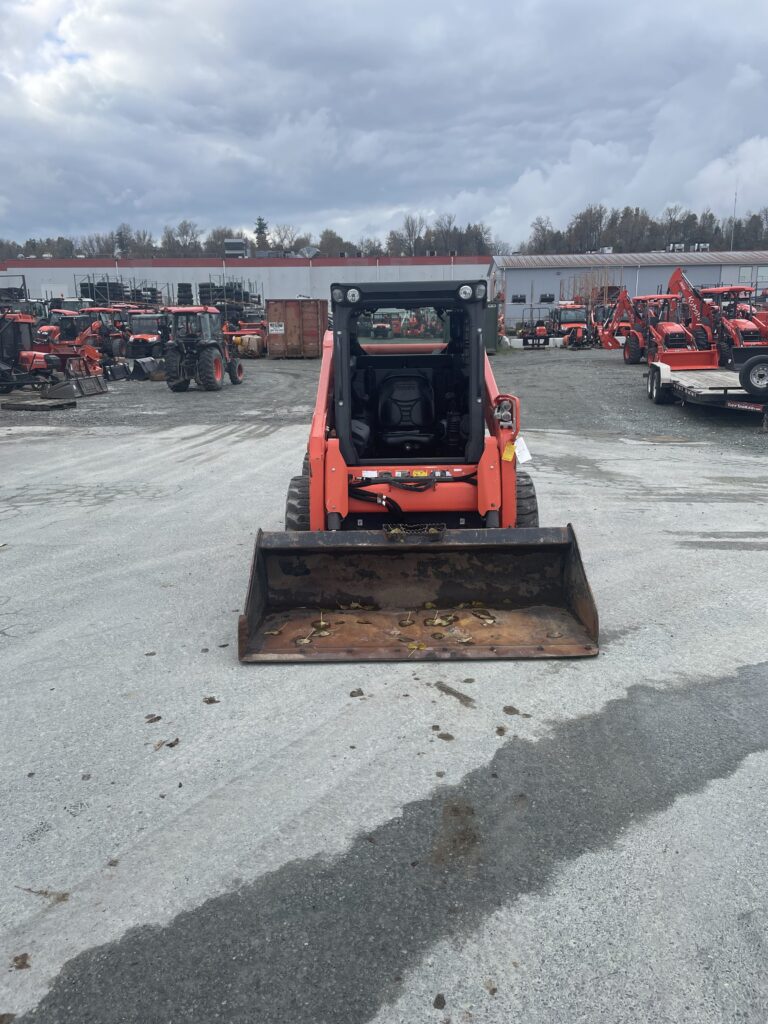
<point x="436" y="595"/>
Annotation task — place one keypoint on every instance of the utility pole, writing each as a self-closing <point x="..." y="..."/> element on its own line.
<point x="733" y="219"/>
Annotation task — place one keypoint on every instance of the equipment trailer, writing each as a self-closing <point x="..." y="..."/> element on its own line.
<point x="699" y="381"/>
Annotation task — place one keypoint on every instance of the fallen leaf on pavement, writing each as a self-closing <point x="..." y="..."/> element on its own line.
<point x="211" y="700"/>
<point x="151" y="719"/>
<point x="21" y="962"/>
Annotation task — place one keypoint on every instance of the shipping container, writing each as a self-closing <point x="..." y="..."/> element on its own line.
<point x="295" y="328"/>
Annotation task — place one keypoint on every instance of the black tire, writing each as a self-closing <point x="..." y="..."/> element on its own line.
<point x="658" y="394"/>
<point x="527" y="505"/>
<point x="753" y="377"/>
<point x="700" y="338"/>
<point x="6" y="389"/>
<point x="633" y="353"/>
<point x="173" y="372"/>
<point x="724" y="351"/>
<point x="297" y="505"/>
<point x="157" y="351"/>
<point x="210" y="368"/>
<point x="305" y="465"/>
<point x="236" y="371"/>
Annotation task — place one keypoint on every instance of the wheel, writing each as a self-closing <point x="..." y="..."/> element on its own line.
<point x="633" y="353"/>
<point x="210" y="368"/>
<point x="753" y="377"/>
<point x="527" y="505"/>
<point x="297" y="504"/>
<point x="700" y="338"/>
<point x="724" y="351"/>
<point x="657" y="393"/>
<point x="157" y="351"/>
<point x="236" y="371"/>
<point x="6" y="389"/>
<point x="305" y="465"/>
<point x="174" y="371"/>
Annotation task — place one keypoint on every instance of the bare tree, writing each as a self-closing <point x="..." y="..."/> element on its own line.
<point x="188" y="235"/>
<point x="500" y="248"/>
<point x="445" y="232"/>
<point x="412" y="231"/>
<point x="283" y="236"/>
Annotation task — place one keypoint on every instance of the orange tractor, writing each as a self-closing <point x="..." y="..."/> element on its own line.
<point x="58" y="367"/>
<point x="616" y="324"/>
<point x="655" y="327"/>
<point x="570" y="321"/>
<point x="724" y="319"/>
<point x="412" y="533"/>
<point x="197" y="350"/>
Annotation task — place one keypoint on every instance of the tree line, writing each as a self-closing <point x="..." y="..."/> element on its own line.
<point x="633" y="229"/>
<point x="415" y="237"/>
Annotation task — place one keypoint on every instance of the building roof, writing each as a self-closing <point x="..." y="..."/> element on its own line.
<point x="595" y="260"/>
<point x="215" y="263"/>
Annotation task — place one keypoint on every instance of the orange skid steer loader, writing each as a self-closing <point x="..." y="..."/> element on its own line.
<point x="412" y="533"/>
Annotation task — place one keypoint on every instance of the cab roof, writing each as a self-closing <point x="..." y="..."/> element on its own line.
<point x="189" y="309"/>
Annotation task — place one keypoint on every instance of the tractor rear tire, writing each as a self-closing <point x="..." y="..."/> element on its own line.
<point x="210" y="369"/>
<point x="297" y="505"/>
<point x="527" y="505"/>
<point x="633" y="353"/>
<point x="173" y="373"/>
<point x="236" y="371"/>
<point x="305" y="465"/>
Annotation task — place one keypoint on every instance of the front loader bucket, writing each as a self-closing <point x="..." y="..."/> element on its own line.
<point x="438" y="595"/>
<point x="75" y="387"/>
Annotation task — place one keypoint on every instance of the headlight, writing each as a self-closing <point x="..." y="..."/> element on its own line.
<point x="337" y="295"/>
<point x="465" y="292"/>
<point x="353" y="295"/>
<point x="480" y="291"/>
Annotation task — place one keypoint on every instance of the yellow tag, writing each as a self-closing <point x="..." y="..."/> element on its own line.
<point x="508" y="455"/>
<point x="419" y="472"/>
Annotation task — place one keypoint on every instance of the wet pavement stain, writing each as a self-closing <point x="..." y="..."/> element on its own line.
<point x="463" y="698"/>
<point x="326" y="941"/>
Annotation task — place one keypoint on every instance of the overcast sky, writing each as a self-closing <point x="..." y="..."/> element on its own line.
<point x="350" y="113"/>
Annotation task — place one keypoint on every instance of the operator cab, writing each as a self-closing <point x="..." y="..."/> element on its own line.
<point x="410" y="400"/>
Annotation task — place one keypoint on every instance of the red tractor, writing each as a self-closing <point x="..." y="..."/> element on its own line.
<point x="570" y="321"/>
<point x="723" y="318"/>
<point x="144" y="333"/>
<point x="63" y="323"/>
<point x="196" y="349"/>
<point x="616" y="324"/>
<point x="736" y="326"/>
<point x="655" y="327"/>
<point x="60" y="368"/>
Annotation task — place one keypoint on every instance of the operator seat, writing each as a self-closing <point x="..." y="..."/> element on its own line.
<point x="406" y="411"/>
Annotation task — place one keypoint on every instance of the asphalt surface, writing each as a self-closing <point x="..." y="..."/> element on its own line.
<point x="304" y="855"/>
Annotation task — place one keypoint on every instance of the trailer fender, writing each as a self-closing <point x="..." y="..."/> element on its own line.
<point x="665" y="373"/>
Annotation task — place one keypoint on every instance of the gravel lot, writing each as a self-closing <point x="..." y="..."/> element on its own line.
<point x="304" y="855"/>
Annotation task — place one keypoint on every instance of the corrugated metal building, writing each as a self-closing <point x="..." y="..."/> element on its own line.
<point x="532" y="280"/>
<point x="271" y="278"/>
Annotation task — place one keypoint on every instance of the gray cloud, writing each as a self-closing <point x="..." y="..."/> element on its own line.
<point x="351" y="113"/>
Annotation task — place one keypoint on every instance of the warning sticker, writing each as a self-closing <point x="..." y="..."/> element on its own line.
<point x="508" y="455"/>
<point x="276" y="327"/>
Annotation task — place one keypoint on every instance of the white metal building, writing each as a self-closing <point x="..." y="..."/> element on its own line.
<point x="545" y="280"/>
<point x="287" y="278"/>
